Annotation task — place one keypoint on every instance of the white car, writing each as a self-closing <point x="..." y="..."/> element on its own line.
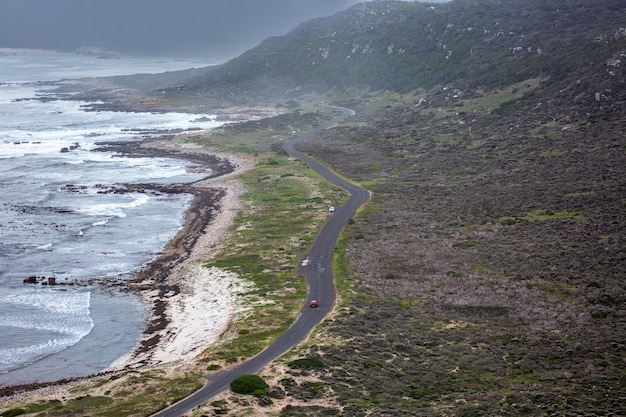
<point x="331" y="209"/>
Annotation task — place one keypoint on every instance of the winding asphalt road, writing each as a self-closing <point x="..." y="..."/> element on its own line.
<point x="319" y="280"/>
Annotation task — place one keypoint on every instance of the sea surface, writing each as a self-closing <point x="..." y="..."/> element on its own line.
<point x="59" y="218"/>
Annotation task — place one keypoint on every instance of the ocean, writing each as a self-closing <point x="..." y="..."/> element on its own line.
<point x="60" y="219"/>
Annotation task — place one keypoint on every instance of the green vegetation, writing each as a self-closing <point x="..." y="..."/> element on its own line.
<point x="420" y="49"/>
<point x="260" y="136"/>
<point x="541" y="215"/>
<point x="559" y="291"/>
<point x="312" y="363"/>
<point x="249" y="384"/>
<point x="13" y="412"/>
<point x="132" y="393"/>
<point x="551" y="154"/>
<point x="582" y="194"/>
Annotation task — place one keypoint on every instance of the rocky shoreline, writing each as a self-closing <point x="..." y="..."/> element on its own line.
<point x="205" y="205"/>
<point x="103" y="94"/>
<point x="176" y="274"/>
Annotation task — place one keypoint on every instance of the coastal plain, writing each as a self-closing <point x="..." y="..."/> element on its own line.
<point x="204" y="314"/>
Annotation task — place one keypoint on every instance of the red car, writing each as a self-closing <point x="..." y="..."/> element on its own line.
<point x="313" y="304"/>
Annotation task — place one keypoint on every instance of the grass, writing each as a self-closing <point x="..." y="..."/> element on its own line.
<point x="256" y="137"/>
<point x="486" y="102"/>
<point x="552" y="153"/>
<point x="134" y="394"/>
<point x="285" y="206"/>
<point x="341" y="265"/>
<point x="451" y="139"/>
<point x="541" y="215"/>
<point x="284" y="209"/>
<point x="557" y="290"/>
<point x="581" y="194"/>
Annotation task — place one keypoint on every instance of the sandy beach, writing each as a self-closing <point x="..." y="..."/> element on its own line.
<point x="188" y="306"/>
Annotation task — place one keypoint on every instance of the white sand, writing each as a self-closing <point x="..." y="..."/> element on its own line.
<point x="208" y="301"/>
<point x="198" y="315"/>
<point x="209" y="298"/>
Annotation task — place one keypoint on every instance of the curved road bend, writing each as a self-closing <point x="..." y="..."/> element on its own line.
<point x="319" y="281"/>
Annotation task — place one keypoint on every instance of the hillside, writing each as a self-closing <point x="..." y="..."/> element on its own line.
<point x="486" y="275"/>
<point x="488" y="267"/>
<point x="402" y="46"/>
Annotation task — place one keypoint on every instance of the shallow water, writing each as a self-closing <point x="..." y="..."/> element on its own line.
<point x="59" y="217"/>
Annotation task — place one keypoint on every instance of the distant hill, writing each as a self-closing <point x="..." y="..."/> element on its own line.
<point x="403" y="46"/>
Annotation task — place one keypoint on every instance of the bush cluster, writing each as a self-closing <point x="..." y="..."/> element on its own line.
<point x="249" y="384"/>
<point x="307" y="363"/>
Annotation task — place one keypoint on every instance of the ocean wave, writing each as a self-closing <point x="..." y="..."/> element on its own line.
<point x="65" y="303"/>
<point x="18" y="357"/>
<point x="50" y="195"/>
<point x="116" y="209"/>
<point x="59" y="319"/>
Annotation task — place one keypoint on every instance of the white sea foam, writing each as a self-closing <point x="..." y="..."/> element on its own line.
<point x="13" y="357"/>
<point x="60" y="318"/>
<point x="115" y="209"/>
<point x="57" y="214"/>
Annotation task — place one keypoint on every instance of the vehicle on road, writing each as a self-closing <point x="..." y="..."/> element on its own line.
<point x="313" y="304"/>
<point x="331" y="209"/>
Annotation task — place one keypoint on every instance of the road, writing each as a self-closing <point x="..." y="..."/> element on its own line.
<point x="319" y="281"/>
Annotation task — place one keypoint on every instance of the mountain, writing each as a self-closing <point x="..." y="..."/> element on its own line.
<point x="488" y="267"/>
<point x="402" y="46"/>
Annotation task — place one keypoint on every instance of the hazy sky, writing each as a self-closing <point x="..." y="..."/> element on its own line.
<point x="215" y="29"/>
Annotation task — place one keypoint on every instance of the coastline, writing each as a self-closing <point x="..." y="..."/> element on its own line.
<point x="187" y="306"/>
<point x="190" y="306"/>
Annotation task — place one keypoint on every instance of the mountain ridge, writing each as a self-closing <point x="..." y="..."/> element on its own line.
<point x="404" y="46"/>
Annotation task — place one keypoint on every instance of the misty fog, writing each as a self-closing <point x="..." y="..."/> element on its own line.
<point x="213" y="29"/>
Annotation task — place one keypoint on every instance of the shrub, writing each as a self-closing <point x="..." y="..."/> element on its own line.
<point x="249" y="384"/>
<point x="307" y="363"/>
<point x="13" y="412"/>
